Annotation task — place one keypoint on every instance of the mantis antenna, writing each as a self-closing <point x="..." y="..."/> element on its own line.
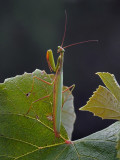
<point x="73" y="44"/>
<point x="65" y="28"/>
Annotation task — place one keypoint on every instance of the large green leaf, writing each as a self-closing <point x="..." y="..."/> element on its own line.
<point x="15" y="101"/>
<point x="105" y="103"/>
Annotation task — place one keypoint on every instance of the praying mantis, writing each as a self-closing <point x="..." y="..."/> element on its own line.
<point x="57" y="84"/>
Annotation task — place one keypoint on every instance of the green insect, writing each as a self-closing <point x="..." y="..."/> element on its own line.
<point x="57" y="83"/>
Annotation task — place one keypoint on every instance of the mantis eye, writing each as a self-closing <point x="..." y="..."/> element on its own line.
<point x="59" y="47"/>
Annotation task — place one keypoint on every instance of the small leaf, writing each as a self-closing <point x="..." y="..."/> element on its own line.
<point x="105" y="103"/>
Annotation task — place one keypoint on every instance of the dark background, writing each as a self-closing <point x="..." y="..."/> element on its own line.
<point x="28" y="28"/>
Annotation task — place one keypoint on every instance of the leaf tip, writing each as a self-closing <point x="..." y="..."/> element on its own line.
<point x="82" y="108"/>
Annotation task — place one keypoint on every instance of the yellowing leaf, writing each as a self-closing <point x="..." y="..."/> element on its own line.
<point x="111" y="83"/>
<point x="105" y="103"/>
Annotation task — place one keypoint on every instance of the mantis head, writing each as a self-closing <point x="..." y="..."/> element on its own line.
<point x="60" y="49"/>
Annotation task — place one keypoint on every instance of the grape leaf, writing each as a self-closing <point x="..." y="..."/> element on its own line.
<point x="105" y="103"/>
<point x="15" y="101"/>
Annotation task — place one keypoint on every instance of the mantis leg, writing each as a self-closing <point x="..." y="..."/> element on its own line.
<point x="35" y="77"/>
<point x="36" y="101"/>
<point x="73" y="86"/>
